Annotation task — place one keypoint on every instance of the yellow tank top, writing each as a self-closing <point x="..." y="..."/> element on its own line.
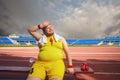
<point x="51" y="50"/>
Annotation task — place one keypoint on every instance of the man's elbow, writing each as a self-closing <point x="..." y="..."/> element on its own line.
<point x="29" y="30"/>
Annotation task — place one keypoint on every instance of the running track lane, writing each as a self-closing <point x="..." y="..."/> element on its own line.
<point x="101" y="59"/>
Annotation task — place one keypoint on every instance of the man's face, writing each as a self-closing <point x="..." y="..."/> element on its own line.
<point x="48" y="29"/>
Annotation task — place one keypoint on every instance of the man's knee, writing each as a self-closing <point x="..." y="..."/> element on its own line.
<point x="56" y="79"/>
<point x="33" y="78"/>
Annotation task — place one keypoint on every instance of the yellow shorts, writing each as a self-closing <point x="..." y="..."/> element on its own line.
<point x="53" y="69"/>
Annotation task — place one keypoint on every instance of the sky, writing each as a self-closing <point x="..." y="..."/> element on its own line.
<point x="72" y="19"/>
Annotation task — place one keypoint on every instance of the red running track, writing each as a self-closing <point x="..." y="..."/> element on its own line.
<point x="78" y="53"/>
<point x="104" y="60"/>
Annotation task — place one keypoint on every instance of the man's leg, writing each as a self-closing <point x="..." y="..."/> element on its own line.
<point x="33" y="78"/>
<point x="37" y="72"/>
<point x="57" y="70"/>
<point x="56" y="79"/>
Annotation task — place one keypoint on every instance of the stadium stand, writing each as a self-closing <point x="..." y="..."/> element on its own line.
<point x="19" y="40"/>
<point x="25" y="40"/>
<point x="5" y="41"/>
<point x="22" y="40"/>
<point x="112" y="40"/>
<point x="84" y="42"/>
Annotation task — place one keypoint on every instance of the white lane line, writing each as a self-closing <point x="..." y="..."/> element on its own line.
<point x="79" y="53"/>
<point x="17" y="68"/>
<point x="107" y="73"/>
<point x="14" y="68"/>
<point x="18" y="52"/>
<point x="72" y="53"/>
<point x="98" y="62"/>
<point x="12" y="60"/>
<point x="74" y="62"/>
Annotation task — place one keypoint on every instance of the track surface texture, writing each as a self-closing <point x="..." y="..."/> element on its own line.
<point x="105" y="61"/>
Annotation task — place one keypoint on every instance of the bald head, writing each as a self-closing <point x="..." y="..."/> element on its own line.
<point x="48" y="29"/>
<point x="46" y="23"/>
